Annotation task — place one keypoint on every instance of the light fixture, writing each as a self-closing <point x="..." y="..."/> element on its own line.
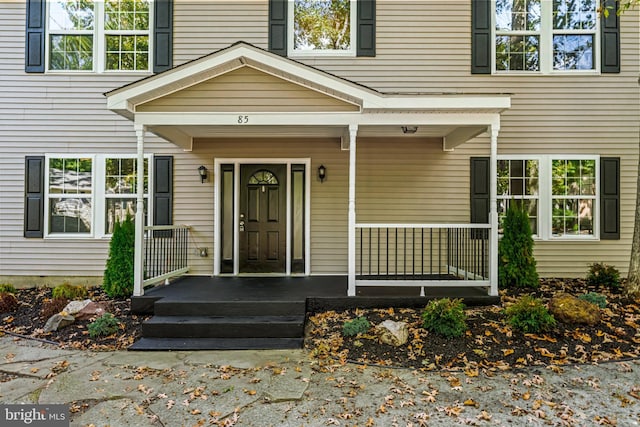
<point x="203" y="173"/>
<point x="322" y="173"/>
<point x="408" y="130"/>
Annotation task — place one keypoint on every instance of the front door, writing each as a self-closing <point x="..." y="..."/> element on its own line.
<point x="262" y="222"/>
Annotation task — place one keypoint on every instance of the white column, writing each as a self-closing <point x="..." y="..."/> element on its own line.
<point x="493" y="211"/>
<point x="138" y="269"/>
<point x="353" y="131"/>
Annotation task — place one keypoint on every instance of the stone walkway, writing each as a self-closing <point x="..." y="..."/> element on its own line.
<point x="287" y="388"/>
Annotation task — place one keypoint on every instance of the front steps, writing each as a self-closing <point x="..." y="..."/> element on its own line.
<point x="223" y="325"/>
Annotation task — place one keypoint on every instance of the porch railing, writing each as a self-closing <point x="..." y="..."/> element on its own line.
<point x="165" y="252"/>
<point x="422" y="254"/>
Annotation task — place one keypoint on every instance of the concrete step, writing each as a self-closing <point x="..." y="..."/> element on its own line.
<point x="158" y="344"/>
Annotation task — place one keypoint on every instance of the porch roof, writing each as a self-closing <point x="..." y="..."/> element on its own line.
<point x="162" y="102"/>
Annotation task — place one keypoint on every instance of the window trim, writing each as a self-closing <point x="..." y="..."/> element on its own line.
<point x="99" y="43"/>
<point x="293" y="53"/>
<point x="98" y="194"/>
<point x="545" y="196"/>
<point x="546" y="34"/>
<point x="538" y="197"/>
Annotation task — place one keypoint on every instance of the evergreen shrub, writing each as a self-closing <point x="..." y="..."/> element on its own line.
<point x="595" y="298"/>
<point x="603" y="275"/>
<point x="118" y="275"/>
<point x="445" y="317"/>
<point x="529" y="315"/>
<point x="516" y="263"/>
<point x="70" y="292"/>
<point x="103" y="326"/>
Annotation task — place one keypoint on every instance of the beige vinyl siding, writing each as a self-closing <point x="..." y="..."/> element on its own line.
<point x="246" y="90"/>
<point x="422" y="46"/>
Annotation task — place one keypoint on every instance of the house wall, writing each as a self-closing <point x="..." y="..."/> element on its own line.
<point x="426" y="50"/>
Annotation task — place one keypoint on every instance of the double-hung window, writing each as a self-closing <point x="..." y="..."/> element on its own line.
<point x="559" y="193"/>
<point x="545" y="35"/>
<point x="322" y="27"/>
<point x="108" y="35"/>
<point x="86" y="195"/>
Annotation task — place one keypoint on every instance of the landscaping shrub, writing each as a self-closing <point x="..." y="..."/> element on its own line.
<point x="351" y="328"/>
<point x="8" y="302"/>
<point x="7" y="289"/>
<point x="118" y="275"/>
<point x="516" y="264"/>
<point x="70" y="292"/>
<point x="445" y="317"/>
<point x="595" y="298"/>
<point x="530" y="315"/>
<point x="104" y="325"/>
<point x="53" y="306"/>
<point x="603" y="275"/>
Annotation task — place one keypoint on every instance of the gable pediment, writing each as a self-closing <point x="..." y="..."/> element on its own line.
<point x="247" y="89"/>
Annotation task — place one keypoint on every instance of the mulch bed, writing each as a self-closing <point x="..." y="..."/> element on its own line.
<point x="490" y="344"/>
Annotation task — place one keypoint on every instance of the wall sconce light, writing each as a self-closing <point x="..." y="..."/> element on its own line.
<point x="408" y="130"/>
<point x="203" y="173"/>
<point x="322" y="173"/>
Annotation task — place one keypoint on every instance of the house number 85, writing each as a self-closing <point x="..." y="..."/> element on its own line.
<point x="243" y="120"/>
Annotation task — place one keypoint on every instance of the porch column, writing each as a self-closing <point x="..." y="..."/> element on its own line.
<point x="138" y="269"/>
<point x="353" y="131"/>
<point x="493" y="211"/>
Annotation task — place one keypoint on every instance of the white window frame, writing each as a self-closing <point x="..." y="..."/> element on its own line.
<point x="545" y="196"/>
<point x="545" y="54"/>
<point x="98" y="194"/>
<point x="321" y="52"/>
<point x="99" y="34"/>
<point x="524" y="197"/>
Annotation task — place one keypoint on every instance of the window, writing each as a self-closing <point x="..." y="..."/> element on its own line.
<point x="109" y="35"/>
<point x="87" y="195"/>
<point x="545" y="35"/>
<point x="560" y="194"/>
<point x="322" y="27"/>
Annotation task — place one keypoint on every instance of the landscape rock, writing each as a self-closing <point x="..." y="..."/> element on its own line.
<point x="76" y="306"/>
<point x="93" y="309"/>
<point x="569" y="309"/>
<point x="392" y="333"/>
<point x="58" y="321"/>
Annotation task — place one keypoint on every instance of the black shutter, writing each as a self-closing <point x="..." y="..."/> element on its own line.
<point x="278" y="27"/>
<point x="163" y="35"/>
<point x="34" y="196"/>
<point x="366" y="34"/>
<point x="480" y="168"/>
<point x="481" y="37"/>
<point x="610" y="36"/>
<point x="34" y="37"/>
<point x="610" y="198"/>
<point x="163" y="190"/>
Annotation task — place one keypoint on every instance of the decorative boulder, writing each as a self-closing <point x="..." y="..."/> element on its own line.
<point x="569" y="309"/>
<point x="92" y="309"/>
<point x="58" y="321"/>
<point x="392" y="333"/>
<point x="76" y="306"/>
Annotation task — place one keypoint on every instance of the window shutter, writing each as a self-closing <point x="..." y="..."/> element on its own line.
<point x="163" y="190"/>
<point x="34" y="37"/>
<point x="366" y="34"/>
<point x="278" y="27"/>
<point x="481" y="37"/>
<point x="610" y="36"/>
<point x="163" y="35"/>
<point x="480" y="190"/>
<point x="34" y="196"/>
<point x="610" y="198"/>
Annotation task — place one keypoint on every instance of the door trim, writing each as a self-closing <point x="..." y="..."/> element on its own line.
<point x="236" y="162"/>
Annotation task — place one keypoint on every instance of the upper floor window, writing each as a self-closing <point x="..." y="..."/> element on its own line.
<point x="546" y="35"/>
<point x="318" y="27"/>
<point x="109" y="35"/>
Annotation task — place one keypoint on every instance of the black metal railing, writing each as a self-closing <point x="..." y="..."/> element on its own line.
<point x="165" y="252"/>
<point x="422" y="252"/>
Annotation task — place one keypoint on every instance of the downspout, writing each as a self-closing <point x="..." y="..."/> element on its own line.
<point x="493" y="210"/>
<point x="138" y="269"/>
<point x="351" y="291"/>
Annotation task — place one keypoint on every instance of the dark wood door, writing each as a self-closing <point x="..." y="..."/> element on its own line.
<point x="262" y="218"/>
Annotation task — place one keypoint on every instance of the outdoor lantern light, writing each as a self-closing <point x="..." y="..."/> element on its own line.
<point x="322" y="173"/>
<point x="203" y="173"/>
